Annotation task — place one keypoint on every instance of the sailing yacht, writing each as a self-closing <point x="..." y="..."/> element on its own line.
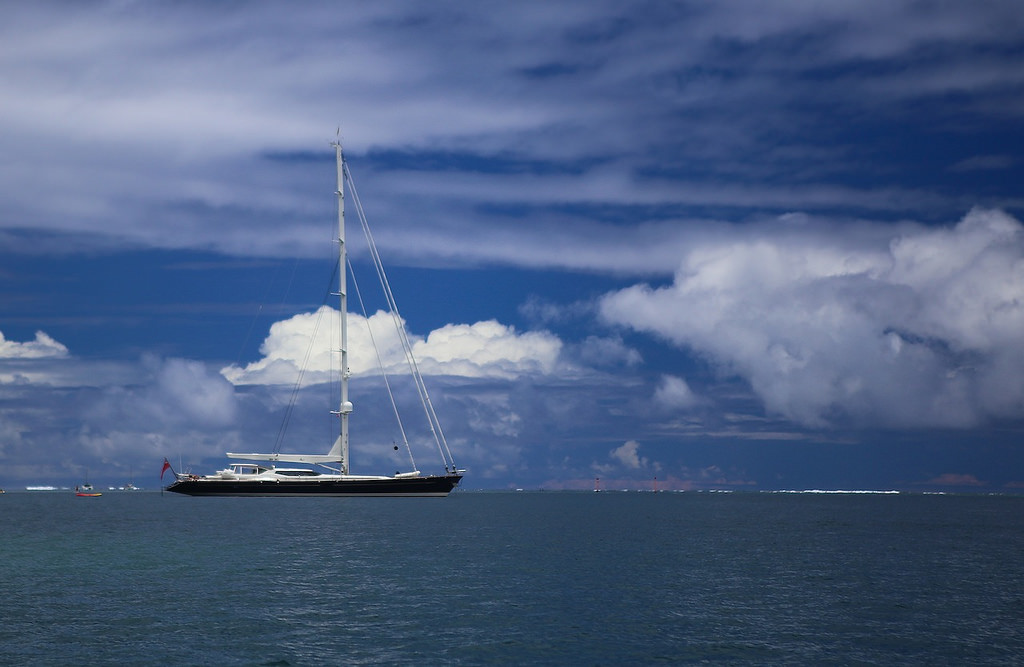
<point x="331" y="475"/>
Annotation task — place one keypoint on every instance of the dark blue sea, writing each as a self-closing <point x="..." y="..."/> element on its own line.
<point x="512" y="578"/>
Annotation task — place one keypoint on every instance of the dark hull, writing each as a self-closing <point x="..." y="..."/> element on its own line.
<point x="430" y="486"/>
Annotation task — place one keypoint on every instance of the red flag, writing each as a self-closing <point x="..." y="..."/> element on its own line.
<point x="167" y="466"/>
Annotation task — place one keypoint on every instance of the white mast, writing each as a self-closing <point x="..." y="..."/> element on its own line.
<point x="339" y="452"/>
<point x="345" y="407"/>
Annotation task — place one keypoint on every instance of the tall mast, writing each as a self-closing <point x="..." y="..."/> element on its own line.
<point x="345" y="407"/>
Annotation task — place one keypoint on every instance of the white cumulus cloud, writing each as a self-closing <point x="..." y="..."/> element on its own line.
<point x="484" y="349"/>
<point x="628" y="455"/>
<point x="908" y="326"/>
<point x="487" y="349"/>
<point x="675" y="392"/>
<point x="43" y="347"/>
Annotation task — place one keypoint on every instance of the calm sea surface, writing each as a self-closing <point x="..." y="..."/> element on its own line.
<point x="512" y="578"/>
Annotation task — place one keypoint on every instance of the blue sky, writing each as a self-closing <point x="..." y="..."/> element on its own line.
<point x="733" y="245"/>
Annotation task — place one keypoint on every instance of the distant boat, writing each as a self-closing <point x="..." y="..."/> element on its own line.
<point x="130" y="486"/>
<point x="86" y="491"/>
<point x="336" y="479"/>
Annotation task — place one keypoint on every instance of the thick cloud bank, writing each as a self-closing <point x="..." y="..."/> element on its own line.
<point x="914" y="327"/>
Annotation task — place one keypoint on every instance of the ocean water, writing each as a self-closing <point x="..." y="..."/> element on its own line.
<point x="512" y="578"/>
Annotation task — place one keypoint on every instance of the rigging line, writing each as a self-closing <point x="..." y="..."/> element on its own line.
<point x="428" y="407"/>
<point x="435" y="425"/>
<point x="293" y="399"/>
<point x="261" y="305"/>
<point x="248" y="335"/>
<point x="421" y="388"/>
<point x="380" y="365"/>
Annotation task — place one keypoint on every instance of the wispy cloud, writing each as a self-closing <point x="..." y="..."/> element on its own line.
<point x="194" y="93"/>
